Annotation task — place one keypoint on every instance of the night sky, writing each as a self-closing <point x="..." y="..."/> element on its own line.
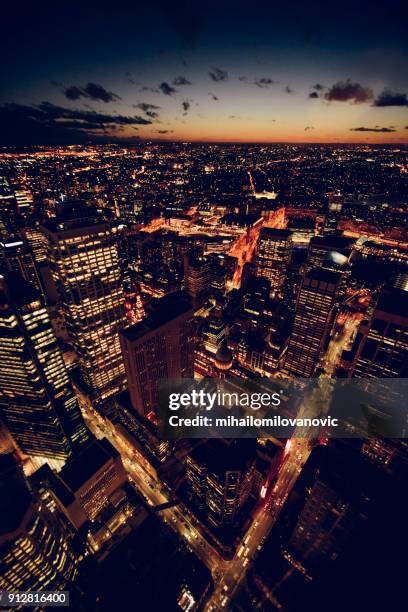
<point x="260" y="71"/>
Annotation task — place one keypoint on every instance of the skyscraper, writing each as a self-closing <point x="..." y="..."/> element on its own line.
<point x="36" y="397"/>
<point x="35" y="554"/>
<point x="219" y="475"/>
<point x="197" y="279"/>
<point x="313" y="320"/>
<point x="160" y="346"/>
<point x="273" y="256"/>
<point x="19" y="257"/>
<point x="336" y="504"/>
<point x="330" y="252"/>
<point x="85" y="268"/>
<point x="381" y="344"/>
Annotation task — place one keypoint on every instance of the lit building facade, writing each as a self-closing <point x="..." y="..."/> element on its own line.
<point x="160" y="346"/>
<point x="313" y="320"/>
<point x="219" y="475"/>
<point x="19" y="257"/>
<point x="380" y="348"/>
<point x="85" y="268"/>
<point x="273" y="256"/>
<point x="197" y="279"/>
<point x="36" y="397"/>
<point x="35" y="554"/>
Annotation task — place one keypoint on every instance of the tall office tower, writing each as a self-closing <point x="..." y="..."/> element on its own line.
<point x="35" y="554"/>
<point x="214" y="334"/>
<point x="333" y="212"/>
<point x="220" y="475"/>
<point x="381" y="344"/>
<point x="24" y="200"/>
<point x="37" y="401"/>
<point x="86" y="484"/>
<point x="197" y="279"/>
<point x="336" y="505"/>
<point x="160" y="346"/>
<point x="85" y="268"/>
<point x="38" y="243"/>
<point x="330" y="252"/>
<point x="313" y="320"/>
<point x="273" y="256"/>
<point x="19" y="257"/>
<point x="130" y="209"/>
<point x="8" y="210"/>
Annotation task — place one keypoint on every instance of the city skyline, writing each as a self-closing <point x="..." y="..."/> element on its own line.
<point x="305" y="73"/>
<point x="204" y="306"/>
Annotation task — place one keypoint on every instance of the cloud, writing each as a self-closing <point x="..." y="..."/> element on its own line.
<point x="242" y="78"/>
<point x="186" y="105"/>
<point x="347" y="91"/>
<point x="74" y="93"/>
<point x="147" y="88"/>
<point x="374" y="129"/>
<point x="213" y="96"/>
<point x="309" y="127"/>
<point x="391" y="98"/>
<point x="149" y="109"/>
<point x="48" y="123"/>
<point x="164" y="131"/>
<point x="181" y="80"/>
<point x="129" y="78"/>
<point x="93" y="91"/>
<point x="59" y="112"/>
<point x="265" y="82"/>
<point x="217" y="74"/>
<point x="288" y="90"/>
<point x="315" y="89"/>
<point x="167" y="89"/>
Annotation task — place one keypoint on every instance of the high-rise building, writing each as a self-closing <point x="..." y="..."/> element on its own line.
<point x="313" y="320"/>
<point x="334" y="207"/>
<point x="130" y="209"/>
<point x="35" y="554"/>
<point x="330" y="252"/>
<point x="335" y="506"/>
<point x="24" y="200"/>
<point x="219" y="475"/>
<point x="160" y="346"/>
<point x="214" y="334"/>
<point x="37" y="401"/>
<point x="197" y="279"/>
<point x="273" y="256"/>
<point x="19" y="257"/>
<point x="8" y="210"/>
<point x="380" y="348"/>
<point x="85" y="268"/>
<point x="86" y="484"/>
<point x="38" y="243"/>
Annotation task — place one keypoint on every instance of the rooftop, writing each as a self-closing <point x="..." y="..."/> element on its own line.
<point x="274" y="232"/>
<point x="84" y="465"/>
<point x="168" y="308"/>
<point x="327" y="276"/>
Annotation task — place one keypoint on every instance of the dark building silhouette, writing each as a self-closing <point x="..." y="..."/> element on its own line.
<point x="381" y="345"/>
